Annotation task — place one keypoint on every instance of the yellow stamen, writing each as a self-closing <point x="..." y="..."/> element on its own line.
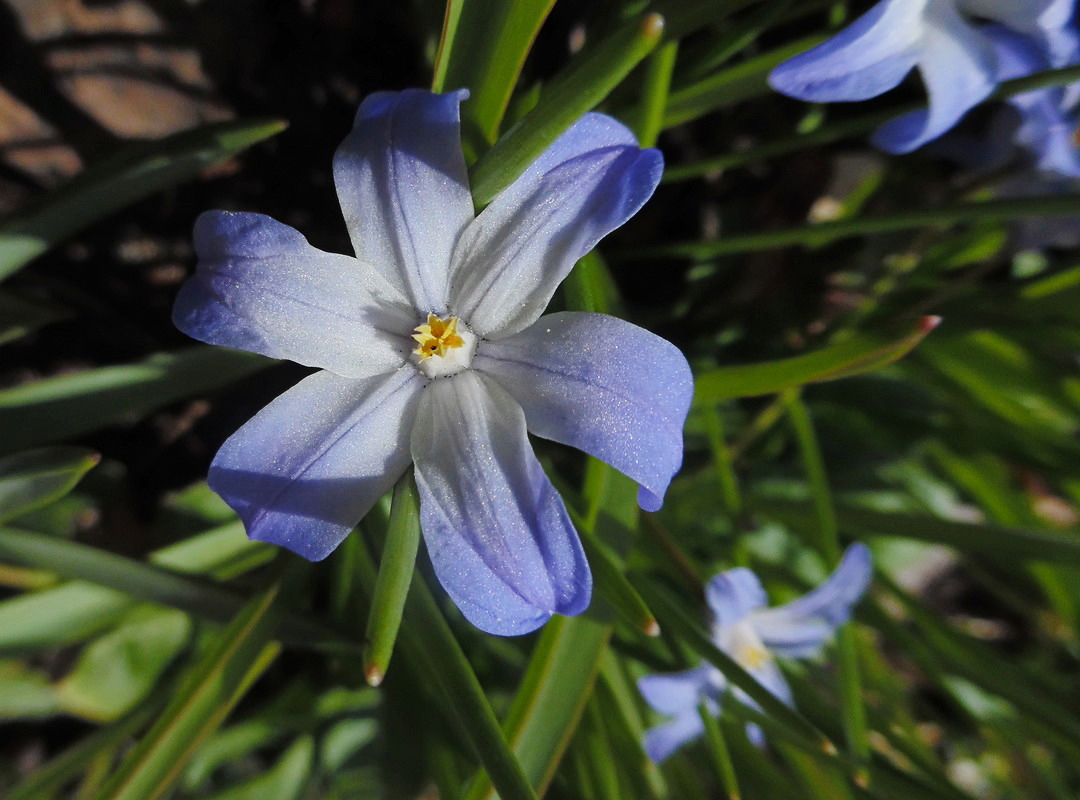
<point x="751" y="656"/>
<point x="436" y="336"/>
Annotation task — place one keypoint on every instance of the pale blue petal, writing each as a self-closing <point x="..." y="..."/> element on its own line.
<point x="868" y="57"/>
<point x="675" y="692"/>
<point x="304" y="470"/>
<point x="602" y="385"/>
<point x="510" y="260"/>
<point x="401" y="181"/>
<point x="663" y="740"/>
<point x="958" y="66"/>
<point x="496" y="530"/>
<point x="800" y="627"/>
<point x="260" y="286"/>
<point x="1048" y="20"/>
<point x="733" y="594"/>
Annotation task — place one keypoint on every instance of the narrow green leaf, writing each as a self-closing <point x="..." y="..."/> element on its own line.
<point x="25" y="692"/>
<point x="576" y="89"/>
<point x="860" y="352"/>
<point x="551" y="698"/>
<point x="48" y="779"/>
<point x="59" y="408"/>
<point x="285" y="780"/>
<point x="458" y="683"/>
<point x="853" y="712"/>
<point x="138" y="171"/>
<point x="613" y="585"/>
<point x="20" y="317"/>
<point x="237" y="656"/>
<point x="731" y="85"/>
<point x="484" y="52"/>
<point x="77" y="609"/>
<point x="819" y="234"/>
<point x="153" y="583"/>
<point x="396" y="567"/>
<point x="720" y="753"/>
<point x="36" y="478"/>
<point x="654" y="94"/>
<point x="997" y="542"/>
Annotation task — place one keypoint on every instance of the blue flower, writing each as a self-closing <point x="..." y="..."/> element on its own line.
<point x="752" y="636"/>
<point x="953" y="54"/>
<point x="433" y="352"/>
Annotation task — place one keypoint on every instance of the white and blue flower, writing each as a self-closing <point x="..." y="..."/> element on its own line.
<point x="753" y="636"/>
<point x="944" y="39"/>
<point x="433" y="354"/>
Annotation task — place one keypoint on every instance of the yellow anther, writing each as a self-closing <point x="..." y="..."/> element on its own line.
<point x="436" y="336"/>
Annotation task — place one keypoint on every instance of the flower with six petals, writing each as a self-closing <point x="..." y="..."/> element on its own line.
<point x="433" y="353"/>
<point x="751" y="635"/>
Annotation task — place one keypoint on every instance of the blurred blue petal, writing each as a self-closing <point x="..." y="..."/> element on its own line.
<point x="868" y="57"/>
<point x="404" y="191"/>
<point x="304" y="470"/>
<point x="800" y="627"/>
<point x="509" y="262"/>
<point x="664" y="739"/>
<point x="496" y="530"/>
<point x="260" y="286"/>
<point x="732" y="595"/>
<point x="675" y="692"/>
<point x="622" y="397"/>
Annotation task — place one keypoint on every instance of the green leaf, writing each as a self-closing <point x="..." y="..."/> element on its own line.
<point x="858" y="353"/>
<point x="236" y="657"/>
<point x="576" y="89"/>
<point x="819" y="234"/>
<point x="482" y="49"/>
<point x="396" y="567"/>
<point x="138" y="171"/>
<point x="997" y="542"/>
<point x="119" y="669"/>
<point x="25" y="692"/>
<point x="731" y="85"/>
<point x="551" y="698"/>
<point x="286" y="780"/>
<point x="20" y="317"/>
<point x="36" y="478"/>
<point x="47" y="780"/>
<point x="71" y="405"/>
<point x="155" y="584"/>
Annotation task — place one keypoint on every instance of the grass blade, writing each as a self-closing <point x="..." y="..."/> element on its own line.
<point x="140" y="170"/>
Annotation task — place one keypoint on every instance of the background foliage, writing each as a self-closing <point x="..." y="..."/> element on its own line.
<point x="148" y="649"/>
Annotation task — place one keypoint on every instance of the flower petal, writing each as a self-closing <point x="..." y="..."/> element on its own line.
<point x="675" y="692"/>
<point x="733" y="594"/>
<point x="602" y="385"/>
<point x="496" y="530"/>
<point x="800" y="627"/>
<point x="304" y="470"/>
<point x="260" y="286"/>
<point x="401" y="181"/>
<point x="663" y="740"/>
<point x="868" y="57"/>
<point x="511" y="258"/>
<point x="958" y="66"/>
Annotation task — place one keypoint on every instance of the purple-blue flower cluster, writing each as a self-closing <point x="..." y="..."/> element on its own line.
<point x="752" y="635"/>
<point x="957" y="46"/>
<point x="433" y="355"/>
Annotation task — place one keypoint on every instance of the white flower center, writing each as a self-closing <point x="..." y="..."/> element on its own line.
<point x="444" y="347"/>
<point x="743" y="644"/>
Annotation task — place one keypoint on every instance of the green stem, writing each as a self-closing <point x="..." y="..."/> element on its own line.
<point x="654" y="94"/>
